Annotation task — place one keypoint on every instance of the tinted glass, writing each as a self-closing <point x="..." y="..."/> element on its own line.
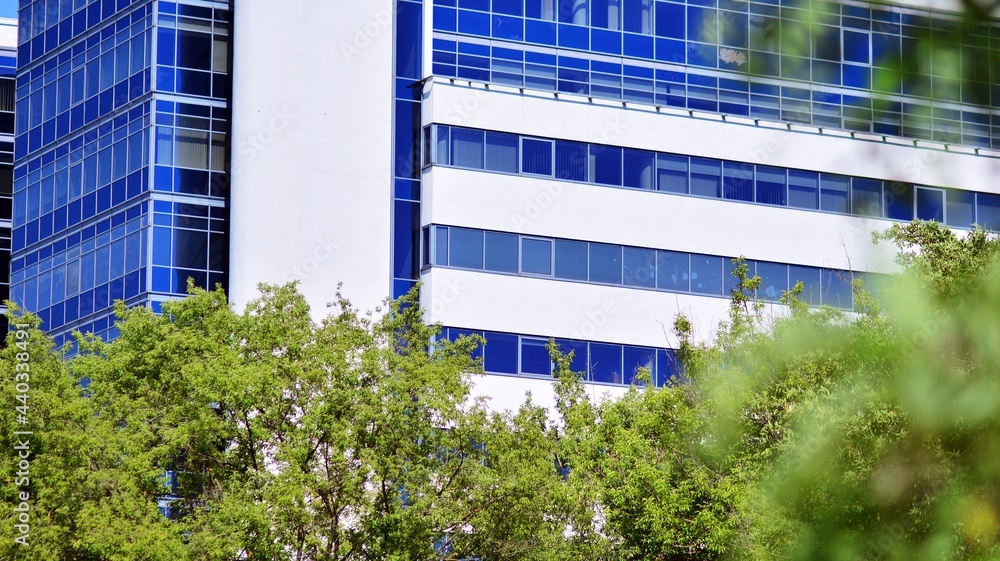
<point x="930" y="204"/>
<point x="571" y="260"/>
<point x="501" y="152"/>
<point x="465" y="248"/>
<point x="501" y="252"/>
<point x="706" y="177"/>
<point x="535" y="357"/>
<point x="833" y="193"/>
<point x="640" y="267"/>
<point x="672" y="270"/>
<point x="606" y="363"/>
<point x="672" y="173"/>
<point x="706" y="274"/>
<point x="571" y="160"/>
<point x="605" y="263"/>
<point x="500" y="354"/>
<point x="638" y="168"/>
<point x="961" y="208"/>
<point x="536" y="156"/>
<point x="606" y="163"/>
<point x="536" y="256"/>
<point x="898" y="199"/>
<point x="803" y="189"/>
<point x="771" y="185"/>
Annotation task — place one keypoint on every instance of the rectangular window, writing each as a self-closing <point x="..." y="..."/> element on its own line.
<point x="930" y="204"/>
<point x="672" y="173"/>
<point x="833" y="193"/>
<point x="535" y="358"/>
<point x="467" y="148"/>
<point x="672" y="271"/>
<point x="579" y="351"/>
<point x="636" y="360"/>
<point x="774" y="280"/>
<point x="442" y="154"/>
<point x="810" y="278"/>
<point x="837" y="291"/>
<point x="606" y="363"/>
<point x="605" y="14"/>
<point x="866" y="197"/>
<point x="770" y="186"/>
<point x="706" y="274"/>
<point x="738" y="181"/>
<point x="988" y="211"/>
<point x="500" y="353"/>
<point x="571" y="260"/>
<point x="465" y="248"/>
<point x="705" y="177"/>
<point x="605" y="263"/>
<point x="501" y="152"/>
<point x="638" y="16"/>
<point x="606" y="164"/>
<point x="961" y="208"/>
<point x="803" y="189"/>
<point x="540" y="9"/>
<point x="730" y="282"/>
<point x="639" y="267"/>
<point x="440" y="246"/>
<point x="536" y="256"/>
<point x="536" y="156"/>
<point x="571" y="160"/>
<point x="501" y="252"/>
<point x="638" y="169"/>
<point x="898" y="200"/>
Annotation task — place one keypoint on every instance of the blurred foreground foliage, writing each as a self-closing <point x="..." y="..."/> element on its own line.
<point x="818" y="435"/>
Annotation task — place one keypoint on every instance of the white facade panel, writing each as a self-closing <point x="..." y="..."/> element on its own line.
<point x="312" y="150"/>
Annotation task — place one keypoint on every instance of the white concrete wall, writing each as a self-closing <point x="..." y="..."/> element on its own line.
<point x="312" y="106"/>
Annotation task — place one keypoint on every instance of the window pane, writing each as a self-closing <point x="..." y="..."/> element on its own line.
<point x="606" y="363"/>
<point x="866" y="197"/>
<point x="606" y="164"/>
<point x="774" y="280"/>
<point x="803" y="189"/>
<point x="988" y="211"/>
<point x="898" y="200"/>
<point x="539" y="9"/>
<point x="638" y="16"/>
<point x="672" y="270"/>
<point x="771" y="185"/>
<point x="930" y="204"/>
<point x="501" y="152"/>
<point x="441" y="245"/>
<point x="961" y="208"/>
<point x="442" y="154"/>
<point x="605" y="14"/>
<point x="536" y="256"/>
<point x="672" y="173"/>
<point x="605" y="263"/>
<point x="640" y="267"/>
<point x="192" y="149"/>
<point x="536" y="156"/>
<point x="729" y="281"/>
<point x="856" y="48"/>
<point x="639" y="168"/>
<point x="637" y="358"/>
<point x="668" y="366"/>
<point x="571" y="160"/>
<point x="579" y="350"/>
<point x="571" y="260"/>
<point x="454" y="334"/>
<point x="837" y="289"/>
<point x="500" y="354"/>
<point x="535" y="357"/>
<point x="833" y="193"/>
<point x="738" y="184"/>
<point x="706" y="274"/>
<point x="467" y="148"/>
<point x="501" y="252"/>
<point x="466" y="248"/>
<point x="810" y="277"/>
<point x="705" y="177"/>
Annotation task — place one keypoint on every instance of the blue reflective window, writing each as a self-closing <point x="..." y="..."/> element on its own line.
<point x="706" y="274"/>
<point x="500" y="354"/>
<point x="465" y="248"/>
<point x="803" y="189"/>
<point x="701" y="24"/>
<point x="571" y="260"/>
<point x="729" y="281"/>
<point x="467" y="148"/>
<point x="866" y="197"/>
<point x="639" y="267"/>
<point x="833" y="193"/>
<point x="738" y="181"/>
<point x="898" y="199"/>
<point x="605" y="14"/>
<point x="706" y="177"/>
<point x="668" y="367"/>
<point x="571" y="160"/>
<point x="961" y="208"/>
<point x="535" y="357"/>
<point x="442" y="154"/>
<point x="672" y="270"/>
<point x="441" y="245"/>
<point x="637" y="358"/>
<point x="501" y="152"/>
<point x="988" y="211"/>
<point x="930" y="204"/>
<point x="580" y="360"/>
<point x="639" y="168"/>
<point x="672" y="173"/>
<point x="540" y="9"/>
<point x="510" y="7"/>
<point x="810" y="278"/>
<point x="637" y="16"/>
<point x="454" y="335"/>
<point x="771" y="189"/>
<point x="605" y="263"/>
<point x="837" y="291"/>
<point x="856" y="47"/>
<point x="606" y="363"/>
<point x="536" y="156"/>
<point x="774" y="280"/>
<point x="606" y="163"/>
<point x="501" y="252"/>
<point x="670" y="20"/>
<point x="536" y="256"/>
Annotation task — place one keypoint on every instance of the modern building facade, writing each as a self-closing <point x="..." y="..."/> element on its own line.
<point x="582" y="170"/>
<point x="8" y="71"/>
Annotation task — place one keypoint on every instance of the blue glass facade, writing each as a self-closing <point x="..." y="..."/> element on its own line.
<point x="836" y="66"/>
<point x="121" y="156"/>
<point x="8" y="71"/>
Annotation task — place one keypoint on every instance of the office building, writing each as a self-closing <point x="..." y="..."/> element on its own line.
<point x="582" y="170"/>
